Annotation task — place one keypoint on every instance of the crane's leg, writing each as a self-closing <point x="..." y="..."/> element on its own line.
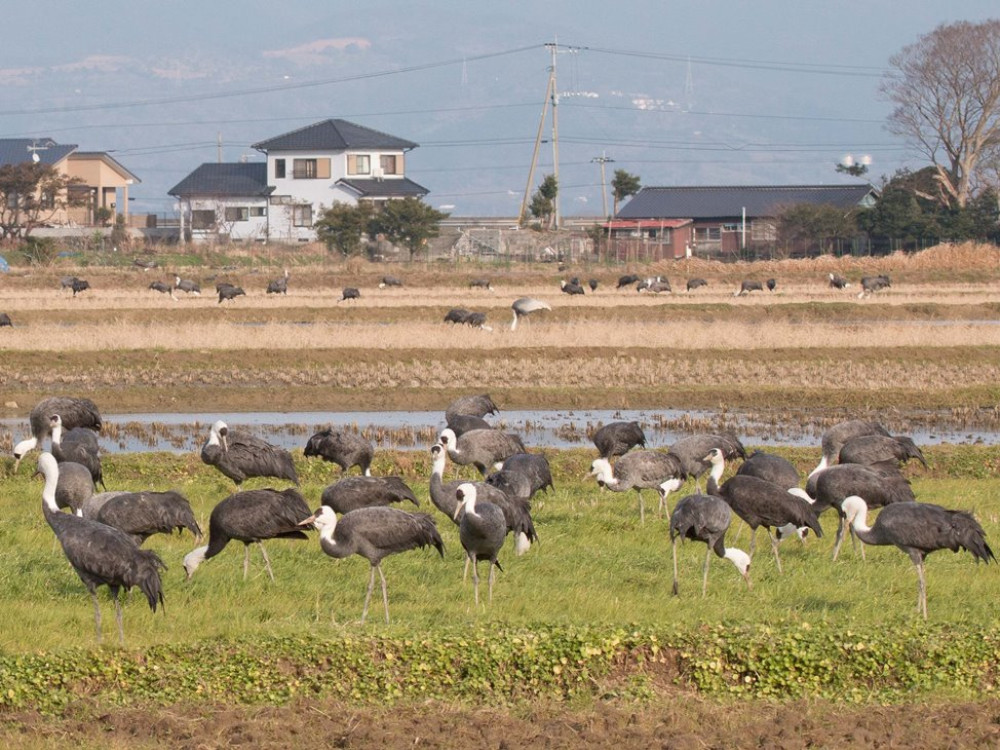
<point x="673" y="544"/>
<point x="493" y="569"/>
<point x="704" y="577"/>
<point x="368" y="596"/>
<point x="267" y="562"/>
<point x="246" y="561"/>
<point x="475" y="578"/>
<point x="385" y="593"/>
<point x="465" y="572"/>
<point x="642" y="508"/>
<point x="840" y="536"/>
<point x="921" y="590"/>
<point x="774" y="547"/>
<point x="118" y="619"/>
<point x="97" y="615"/>
<point x="753" y="540"/>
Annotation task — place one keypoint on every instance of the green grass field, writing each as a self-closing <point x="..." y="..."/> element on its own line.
<point x="594" y="565"/>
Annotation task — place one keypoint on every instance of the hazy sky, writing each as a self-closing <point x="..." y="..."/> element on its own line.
<point x="713" y="92"/>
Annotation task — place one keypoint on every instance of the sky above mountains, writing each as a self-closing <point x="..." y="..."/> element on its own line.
<point x="720" y="91"/>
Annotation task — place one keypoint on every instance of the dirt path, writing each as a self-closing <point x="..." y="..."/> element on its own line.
<point x="682" y="722"/>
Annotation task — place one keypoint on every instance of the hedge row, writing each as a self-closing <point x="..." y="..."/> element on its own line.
<point x="507" y="666"/>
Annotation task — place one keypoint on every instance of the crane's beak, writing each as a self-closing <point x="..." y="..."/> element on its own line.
<point x="308" y="522"/>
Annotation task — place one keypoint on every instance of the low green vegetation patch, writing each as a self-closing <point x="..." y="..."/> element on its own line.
<point x="501" y="666"/>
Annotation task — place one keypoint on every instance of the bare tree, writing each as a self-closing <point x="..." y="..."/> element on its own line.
<point x="31" y="194"/>
<point x="946" y="92"/>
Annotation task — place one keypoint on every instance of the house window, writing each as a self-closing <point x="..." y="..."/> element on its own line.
<point x="707" y="234"/>
<point x="359" y="164"/>
<point x="256" y="211"/>
<point x="204" y="219"/>
<point x="279" y="169"/>
<point x="730" y="227"/>
<point x="237" y="213"/>
<point x="304" y="169"/>
<point x="302" y="216"/>
<point x="388" y="164"/>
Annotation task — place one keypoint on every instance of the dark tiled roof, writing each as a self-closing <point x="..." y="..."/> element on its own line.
<point x="236" y="179"/>
<point x="333" y="135"/>
<point x="722" y="202"/>
<point x="404" y="188"/>
<point x="18" y="150"/>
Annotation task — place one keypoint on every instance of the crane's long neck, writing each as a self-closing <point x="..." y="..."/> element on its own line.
<point x="718" y="468"/>
<point x="57" y="434"/>
<point x="821" y="466"/>
<point x="329" y="544"/>
<point x="513" y="323"/>
<point x="49" y="490"/>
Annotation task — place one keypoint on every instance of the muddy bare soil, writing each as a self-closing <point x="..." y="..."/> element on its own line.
<point x="682" y="721"/>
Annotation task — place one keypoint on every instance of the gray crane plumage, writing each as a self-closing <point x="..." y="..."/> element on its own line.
<point x="837" y="281"/>
<point x="457" y="315"/>
<point x="706" y="518"/>
<point x="75" y="487"/>
<point x="693" y="450"/>
<point x="641" y="470"/>
<point x="251" y="517"/>
<point x="351" y="493"/>
<point x="771" y="467"/>
<point x="627" y="280"/>
<point x="477" y="405"/>
<point x="569" y="287"/>
<point x="881" y="487"/>
<point x="761" y="503"/>
<point x="532" y="466"/>
<point x="240" y="455"/>
<point x="350" y="292"/>
<point x="463" y="423"/>
<point x="5" y="320"/>
<point x="100" y="555"/>
<point x="163" y="288"/>
<point x="919" y="529"/>
<point x="481" y="448"/>
<point x="524" y="306"/>
<point x="887" y="451"/>
<point x="74" y="412"/>
<point x="835" y="437"/>
<point x="618" y="438"/>
<point x="342" y="447"/>
<point x="693" y="284"/>
<point x="187" y="285"/>
<point x="516" y="510"/>
<point x="374" y="534"/>
<point x="747" y="286"/>
<point x="229" y="291"/>
<point x="142" y="514"/>
<point x="279" y="285"/>
<point x="78" y="445"/>
<point x="390" y="281"/>
<point x="482" y="530"/>
<point x="93" y="504"/>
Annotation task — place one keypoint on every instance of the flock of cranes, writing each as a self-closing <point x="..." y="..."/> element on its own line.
<point x="102" y="534"/>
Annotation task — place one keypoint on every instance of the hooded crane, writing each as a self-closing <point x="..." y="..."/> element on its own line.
<point x="240" y="455"/>
<point x="776" y="469"/>
<point x="761" y="503"/>
<point x="142" y="514"/>
<point x="481" y="448"/>
<point x="534" y="467"/>
<point x="641" y="470"/>
<point x="705" y="518"/>
<point x="187" y="285"/>
<point x="390" y="281"/>
<point x="100" y="555"/>
<point x="78" y="445"/>
<point x="696" y="283"/>
<point x="481" y="529"/>
<point x="466" y="413"/>
<point x="516" y="510"/>
<point x="374" y="534"/>
<point x="229" y="291"/>
<point x="593" y="284"/>
<point x="833" y="485"/>
<point x="75" y="487"/>
<point x="618" y="438"/>
<point x="342" y="447"/>
<point x="569" y="287"/>
<point x="693" y="450"/>
<point x="349" y="292"/>
<point x="748" y="286"/>
<point x="457" y="315"/>
<point x="872" y="284"/>
<point x="251" y="517"/>
<point x="74" y="412"/>
<point x="351" y="493"/>
<point x="919" y="529"/>
<point x="524" y="306"/>
<point x="5" y="320"/>
<point x="481" y="284"/>
<point x="881" y="451"/>
<point x="279" y="285"/>
<point x="162" y="288"/>
<point x="837" y="281"/>
<point x="835" y="437"/>
<point x="627" y="280"/>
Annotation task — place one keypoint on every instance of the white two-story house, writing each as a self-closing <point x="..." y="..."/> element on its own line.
<point x="306" y="172"/>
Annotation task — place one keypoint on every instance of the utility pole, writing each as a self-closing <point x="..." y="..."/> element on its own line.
<point x="534" y="156"/>
<point x="218" y="147"/>
<point x="602" y="160"/>
<point x="554" y="49"/>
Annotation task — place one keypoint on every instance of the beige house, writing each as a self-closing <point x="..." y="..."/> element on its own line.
<point x="103" y="182"/>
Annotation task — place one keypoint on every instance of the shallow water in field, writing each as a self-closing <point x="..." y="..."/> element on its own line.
<point x="560" y="428"/>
